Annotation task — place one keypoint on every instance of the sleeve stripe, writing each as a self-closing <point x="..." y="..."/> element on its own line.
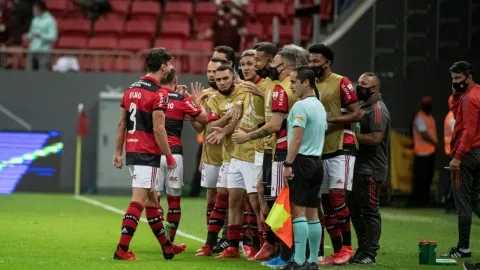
<point x="377" y="112"/>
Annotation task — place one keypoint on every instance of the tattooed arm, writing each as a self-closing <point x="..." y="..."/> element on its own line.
<point x="271" y="127"/>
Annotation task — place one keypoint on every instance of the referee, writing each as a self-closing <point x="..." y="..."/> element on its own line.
<point x="370" y="168"/>
<point x="303" y="171"/>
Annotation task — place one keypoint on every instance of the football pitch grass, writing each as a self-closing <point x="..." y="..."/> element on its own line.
<point x="44" y="231"/>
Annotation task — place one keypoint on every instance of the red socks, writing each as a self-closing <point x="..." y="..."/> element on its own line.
<point x="331" y="224"/>
<point x="156" y="224"/>
<point x="342" y="212"/>
<point x="217" y="217"/>
<point x="130" y="223"/>
<point x="174" y="214"/>
<point x="234" y="235"/>
<point x="209" y="211"/>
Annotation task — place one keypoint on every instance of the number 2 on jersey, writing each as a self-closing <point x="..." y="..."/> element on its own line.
<point x="133" y="112"/>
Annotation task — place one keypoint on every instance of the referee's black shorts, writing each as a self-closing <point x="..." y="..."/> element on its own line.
<point x="306" y="182"/>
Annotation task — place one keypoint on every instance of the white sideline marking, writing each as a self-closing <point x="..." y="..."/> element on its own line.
<point x="121" y="212"/>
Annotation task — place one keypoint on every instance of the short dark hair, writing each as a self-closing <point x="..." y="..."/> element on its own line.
<point x="228" y="51"/>
<point x="155" y="58"/>
<point x="260" y="44"/>
<point x="226" y="67"/>
<point x="289" y="57"/>
<point x="268" y="48"/>
<point x="461" y="67"/>
<point x="305" y="73"/>
<point x="219" y="60"/>
<point x="375" y="76"/>
<point x="41" y="4"/>
<point x="170" y="77"/>
<point x="323" y="50"/>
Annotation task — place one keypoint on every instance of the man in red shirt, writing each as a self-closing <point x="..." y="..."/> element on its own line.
<point x="465" y="145"/>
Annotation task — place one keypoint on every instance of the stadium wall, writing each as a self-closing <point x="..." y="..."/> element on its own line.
<point x="48" y="101"/>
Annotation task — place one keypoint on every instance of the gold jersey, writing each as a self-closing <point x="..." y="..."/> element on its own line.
<point x="220" y="106"/>
<point x="211" y="153"/>
<point x="268" y="84"/>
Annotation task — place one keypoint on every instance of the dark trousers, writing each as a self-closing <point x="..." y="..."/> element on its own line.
<point x="423" y="170"/>
<point x="466" y="193"/>
<point x="449" y="202"/>
<point x="197" y="176"/>
<point x="363" y="203"/>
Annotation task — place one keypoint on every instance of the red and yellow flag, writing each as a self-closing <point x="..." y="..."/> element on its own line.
<point x="280" y="219"/>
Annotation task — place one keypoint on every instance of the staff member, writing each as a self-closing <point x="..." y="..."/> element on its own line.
<point x="303" y="171"/>
<point x="370" y="168"/>
<point x="465" y="164"/>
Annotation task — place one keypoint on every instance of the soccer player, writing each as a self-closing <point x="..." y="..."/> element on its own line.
<point x="142" y="129"/>
<point x="171" y="181"/>
<point x="282" y="101"/>
<point x="228" y="53"/>
<point x="307" y="123"/>
<point x="218" y="130"/>
<point x="370" y="169"/>
<point x="341" y="103"/>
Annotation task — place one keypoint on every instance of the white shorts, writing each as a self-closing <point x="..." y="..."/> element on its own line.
<point x="170" y="179"/>
<point x="223" y="175"/>
<point x="258" y="165"/>
<point x="143" y="176"/>
<point x="277" y="178"/>
<point x="209" y="175"/>
<point x="337" y="173"/>
<point x="241" y="175"/>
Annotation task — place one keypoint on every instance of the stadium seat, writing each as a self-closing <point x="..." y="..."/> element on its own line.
<point x="196" y="64"/>
<point x="120" y="9"/>
<point x="178" y="11"/>
<point x="72" y="42"/>
<point x="205" y="12"/>
<point x="251" y="10"/>
<point x="145" y="10"/>
<point x="175" y="29"/>
<point x="200" y="27"/>
<point x="112" y="27"/>
<point x="133" y="44"/>
<point x="140" y="28"/>
<point x="102" y="43"/>
<point x="255" y="30"/>
<point x="266" y="12"/>
<point x="285" y="34"/>
<point x="73" y="11"/>
<point x="74" y="26"/>
<point x="57" y="7"/>
<point x="173" y="46"/>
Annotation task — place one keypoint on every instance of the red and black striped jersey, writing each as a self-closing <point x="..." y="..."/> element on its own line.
<point x="140" y="100"/>
<point x="178" y="107"/>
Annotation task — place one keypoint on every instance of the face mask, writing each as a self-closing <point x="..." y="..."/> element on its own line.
<point x="427" y="107"/>
<point x="318" y="71"/>
<point x="226" y="9"/>
<point x="274" y="73"/>
<point x="213" y="85"/>
<point x="460" y="86"/>
<point x="264" y="72"/>
<point x="363" y="93"/>
<point x="227" y="92"/>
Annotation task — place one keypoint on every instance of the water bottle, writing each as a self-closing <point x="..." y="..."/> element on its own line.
<point x="432" y="252"/>
<point x="423" y="252"/>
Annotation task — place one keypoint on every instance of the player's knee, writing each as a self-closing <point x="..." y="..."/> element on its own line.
<point x="236" y="197"/>
<point x="174" y="191"/>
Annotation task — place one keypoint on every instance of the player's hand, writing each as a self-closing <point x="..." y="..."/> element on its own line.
<point x="188" y="118"/>
<point x="237" y="111"/>
<point x="200" y="167"/>
<point x="197" y="93"/>
<point x="171" y="162"/>
<point x="181" y="89"/>
<point x="330" y="118"/>
<point x="117" y="161"/>
<point x="239" y="136"/>
<point x="287" y="175"/>
<point x="455" y="165"/>
<point x="216" y="136"/>
<point x="252" y="88"/>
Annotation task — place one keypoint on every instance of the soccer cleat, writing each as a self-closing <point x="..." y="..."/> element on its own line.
<point x="220" y="246"/>
<point x="120" y="254"/>
<point x="329" y="260"/>
<point x="266" y="252"/>
<point x="251" y="254"/>
<point x="312" y="266"/>
<point x="350" y="250"/>
<point x="246" y="249"/>
<point x="276" y="263"/>
<point x="169" y="251"/>
<point x="455" y="252"/>
<point x="294" y="266"/>
<point x="229" y="253"/>
<point x="357" y="253"/>
<point x="363" y="259"/>
<point x="205" y="251"/>
<point x="320" y="259"/>
<point x="342" y="257"/>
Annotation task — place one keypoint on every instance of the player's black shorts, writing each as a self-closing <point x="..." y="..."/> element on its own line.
<point x="306" y="182"/>
<point x="267" y="171"/>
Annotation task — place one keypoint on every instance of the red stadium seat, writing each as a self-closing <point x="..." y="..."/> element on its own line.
<point x="178" y="11"/>
<point x="74" y="26"/>
<point x="145" y="10"/>
<point x="102" y="43"/>
<point x="140" y="28"/>
<point x="175" y="29"/>
<point x="205" y="12"/>
<point x="266" y="12"/>
<point x="255" y="30"/>
<point x="72" y="42"/>
<point x="197" y="64"/>
<point x="112" y="27"/>
<point x="73" y="11"/>
<point x="285" y="35"/>
<point x="57" y="7"/>
<point x="133" y="44"/>
<point x="120" y="9"/>
<point x="173" y="46"/>
<point x="251" y="9"/>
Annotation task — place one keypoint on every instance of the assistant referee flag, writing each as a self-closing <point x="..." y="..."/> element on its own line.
<point x="280" y="219"/>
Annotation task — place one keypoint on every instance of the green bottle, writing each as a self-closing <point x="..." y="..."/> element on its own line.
<point x="432" y="252"/>
<point x="423" y="252"/>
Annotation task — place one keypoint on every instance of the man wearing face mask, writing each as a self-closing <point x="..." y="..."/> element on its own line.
<point x="371" y="168"/>
<point x="337" y="95"/>
<point x="424" y="146"/>
<point x="465" y="146"/>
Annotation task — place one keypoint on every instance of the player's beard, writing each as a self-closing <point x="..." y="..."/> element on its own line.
<point x="227" y="92"/>
<point x="213" y="85"/>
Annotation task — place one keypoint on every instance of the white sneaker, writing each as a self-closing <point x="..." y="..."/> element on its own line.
<point x="320" y="259"/>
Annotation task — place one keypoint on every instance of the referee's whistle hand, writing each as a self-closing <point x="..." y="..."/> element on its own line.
<point x="287" y="175"/>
